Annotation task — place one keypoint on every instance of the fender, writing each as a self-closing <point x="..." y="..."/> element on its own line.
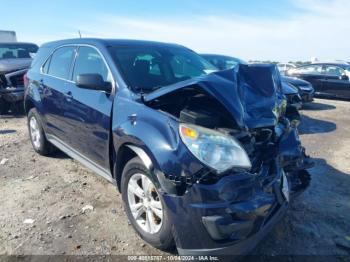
<point x="154" y="137"/>
<point x="162" y="183"/>
<point x="142" y="155"/>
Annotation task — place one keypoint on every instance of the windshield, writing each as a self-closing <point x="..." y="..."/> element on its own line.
<point x="15" y="50"/>
<point x="223" y="62"/>
<point x="148" y="68"/>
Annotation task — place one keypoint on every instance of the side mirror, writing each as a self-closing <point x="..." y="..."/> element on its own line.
<point x="93" y="82"/>
<point x="344" y="77"/>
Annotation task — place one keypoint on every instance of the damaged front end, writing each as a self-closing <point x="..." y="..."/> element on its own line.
<point x="231" y="209"/>
<point x="12" y="73"/>
<point x="12" y="85"/>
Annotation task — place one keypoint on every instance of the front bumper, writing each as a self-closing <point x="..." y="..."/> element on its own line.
<point x="243" y="247"/>
<point x="229" y="217"/>
<point x="12" y="94"/>
<point x="307" y="96"/>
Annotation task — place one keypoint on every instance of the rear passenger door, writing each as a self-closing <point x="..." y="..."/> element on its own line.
<point x="90" y="110"/>
<point x="312" y="74"/>
<point x="336" y="81"/>
<point x="54" y="86"/>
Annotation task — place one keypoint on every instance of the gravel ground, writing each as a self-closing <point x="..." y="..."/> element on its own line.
<point x="42" y="198"/>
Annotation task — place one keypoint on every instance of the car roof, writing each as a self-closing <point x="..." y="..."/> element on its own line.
<point x="224" y="57"/>
<point x="109" y="42"/>
<point x="214" y="55"/>
<point x="220" y="56"/>
<point x="330" y="63"/>
<point x="286" y="64"/>
<point x="17" y="43"/>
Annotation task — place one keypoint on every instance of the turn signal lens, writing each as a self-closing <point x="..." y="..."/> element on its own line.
<point x="188" y="132"/>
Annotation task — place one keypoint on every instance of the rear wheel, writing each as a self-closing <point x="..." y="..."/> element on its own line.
<point x="144" y="206"/>
<point x="36" y="133"/>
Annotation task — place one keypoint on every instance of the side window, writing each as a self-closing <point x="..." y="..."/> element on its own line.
<point x="310" y="70"/>
<point x="61" y="62"/>
<point x="45" y="68"/>
<point x="89" y="61"/>
<point x="334" y="70"/>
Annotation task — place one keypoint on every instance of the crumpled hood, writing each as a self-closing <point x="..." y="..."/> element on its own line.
<point x="9" y="65"/>
<point x="251" y="93"/>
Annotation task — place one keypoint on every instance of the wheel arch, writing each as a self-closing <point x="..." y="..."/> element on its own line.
<point x="129" y="151"/>
<point x="28" y="104"/>
<point x="125" y="153"/>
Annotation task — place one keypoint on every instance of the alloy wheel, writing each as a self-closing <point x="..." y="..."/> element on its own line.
<point x="144" y="203"/>
<point x="35" y="132"/>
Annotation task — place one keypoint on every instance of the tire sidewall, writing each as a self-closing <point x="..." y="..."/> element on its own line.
<point x="41" y="149"/>
<point x="163" y="238"/>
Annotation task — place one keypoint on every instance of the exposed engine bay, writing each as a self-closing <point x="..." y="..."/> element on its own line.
<point x="251" y="108"/>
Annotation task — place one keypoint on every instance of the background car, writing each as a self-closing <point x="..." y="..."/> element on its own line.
<point x="15" y="60"/>
<point x="296" y="90"/>
<point x="292" y="95"/>
<point x="328" y="79"/>
<point x="304" y="88"/>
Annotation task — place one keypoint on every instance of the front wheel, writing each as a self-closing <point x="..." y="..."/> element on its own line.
<point x="144" y="206"/>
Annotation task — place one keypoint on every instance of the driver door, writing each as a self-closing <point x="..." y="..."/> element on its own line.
<point x="90" y="110"/>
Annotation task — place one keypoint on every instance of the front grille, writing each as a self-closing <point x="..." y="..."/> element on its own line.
<point x="17" y="80"/>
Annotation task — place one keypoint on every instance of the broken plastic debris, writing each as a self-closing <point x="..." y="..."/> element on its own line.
<point x="3" y="161"/>
<point x="28" y="221"/>
<point x="87" y="207"/>
<point x="29" y="178"/>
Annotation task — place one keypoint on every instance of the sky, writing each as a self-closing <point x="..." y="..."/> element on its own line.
<point x="278" y="30"/>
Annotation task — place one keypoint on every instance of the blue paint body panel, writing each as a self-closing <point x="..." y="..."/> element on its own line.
<point x="238" y="207"/>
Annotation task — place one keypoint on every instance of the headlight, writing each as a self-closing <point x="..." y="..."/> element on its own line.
<point x="213" y="148"/>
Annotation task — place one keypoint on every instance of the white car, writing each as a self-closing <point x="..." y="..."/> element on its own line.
<point x="284" y="67"/>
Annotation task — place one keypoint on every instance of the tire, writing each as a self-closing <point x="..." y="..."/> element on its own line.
<point x="161" y="237"/>
<point x="36" y="134"/>
<point x="4" y="107"/>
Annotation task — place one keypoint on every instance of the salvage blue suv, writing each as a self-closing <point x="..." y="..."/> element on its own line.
<point x="206" y="160"/>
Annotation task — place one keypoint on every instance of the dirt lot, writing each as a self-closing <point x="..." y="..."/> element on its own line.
<point x="53" y="191"/>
